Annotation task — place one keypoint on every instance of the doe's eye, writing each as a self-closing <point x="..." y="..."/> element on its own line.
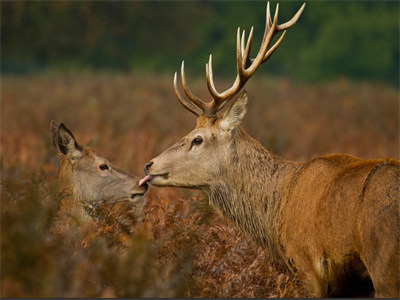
<point x="197" y="141"/>
<point x="103" y="167"/>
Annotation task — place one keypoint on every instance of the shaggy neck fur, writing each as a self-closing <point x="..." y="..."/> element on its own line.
<point x="71" y="207"/>
<point x="251" y="189"/>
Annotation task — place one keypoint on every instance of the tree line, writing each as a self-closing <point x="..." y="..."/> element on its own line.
<point x="354" y="39"/>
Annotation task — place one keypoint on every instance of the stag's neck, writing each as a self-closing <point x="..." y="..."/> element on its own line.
<point x="252" y="192"/>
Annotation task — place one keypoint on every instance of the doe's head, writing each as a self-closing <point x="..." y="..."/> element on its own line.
<point x="90" y="177"/>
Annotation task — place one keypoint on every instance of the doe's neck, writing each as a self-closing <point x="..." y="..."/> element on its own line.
<point x="71" y="208"/>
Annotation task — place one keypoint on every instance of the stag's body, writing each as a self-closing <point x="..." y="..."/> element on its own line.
<point x="86" y="180"/>
<point x="335" y="217"/>
<point x="340" y="222"/>
<point x="324" y="216"/>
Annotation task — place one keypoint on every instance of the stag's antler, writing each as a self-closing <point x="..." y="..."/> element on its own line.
<point x="246" y="66"/>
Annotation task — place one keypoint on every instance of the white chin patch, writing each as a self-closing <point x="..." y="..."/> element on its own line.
<point x="159" y="181"/>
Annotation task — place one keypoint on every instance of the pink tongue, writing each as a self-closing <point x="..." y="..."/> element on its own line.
<point x="144" y="180"/>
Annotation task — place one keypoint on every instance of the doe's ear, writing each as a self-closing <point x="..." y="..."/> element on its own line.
<point x="66" y="142"/>
<point x="236" y="113"/>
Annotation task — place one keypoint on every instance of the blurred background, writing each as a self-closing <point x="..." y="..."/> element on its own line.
<point x="353" y="39"/>
<point x="105" y="69"/>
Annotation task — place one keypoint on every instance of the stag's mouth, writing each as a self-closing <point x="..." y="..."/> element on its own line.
<point x="152" y="178"/>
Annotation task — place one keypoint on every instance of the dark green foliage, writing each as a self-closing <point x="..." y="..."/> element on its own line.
<point x="355" y="39"/>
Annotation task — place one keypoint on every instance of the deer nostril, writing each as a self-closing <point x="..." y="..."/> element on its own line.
<point x="147" y="166"/>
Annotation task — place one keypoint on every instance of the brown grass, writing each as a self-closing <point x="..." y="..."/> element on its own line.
<point x="180" y="246"/>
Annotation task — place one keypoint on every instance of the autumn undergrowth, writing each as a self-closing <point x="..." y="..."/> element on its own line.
<point x="175" y="245"/>
<point x="177" y="248"/>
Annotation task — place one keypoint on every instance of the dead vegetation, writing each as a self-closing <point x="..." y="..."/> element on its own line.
<point x="179" y="247"/>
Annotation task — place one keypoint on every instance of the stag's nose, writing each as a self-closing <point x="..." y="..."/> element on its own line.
<point x="147" y="166"/>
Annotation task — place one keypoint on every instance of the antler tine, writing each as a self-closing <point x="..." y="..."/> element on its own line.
<point x="273" y="48"/>
<point x="277" y="29"/>
<point x="222" y="98"/>
<point x="268" y="35"/>
<point x="183" y="101"/>
<point x="192" y="97"/>
<point x="246" y="53"/>
<point x="246" y="66"/>
<point x="281" y="27"/>
<point x="268" y="22"/>
<point x="210" y="80"/>
<point x="242" y="43"/>
<point x="292" y="21"/>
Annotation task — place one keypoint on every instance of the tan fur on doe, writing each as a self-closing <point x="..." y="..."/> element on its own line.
<point x="87" y="180"/>
<point x="335" y="217"/>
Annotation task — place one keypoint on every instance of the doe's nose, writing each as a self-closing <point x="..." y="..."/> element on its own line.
<point x="147" y="166"/>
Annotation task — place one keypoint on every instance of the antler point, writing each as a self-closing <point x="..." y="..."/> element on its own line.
<point x="243" y="60"/>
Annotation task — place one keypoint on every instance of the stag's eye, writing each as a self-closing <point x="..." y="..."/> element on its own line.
<point x="197" y="141"/>
<point x="103" y="167"/>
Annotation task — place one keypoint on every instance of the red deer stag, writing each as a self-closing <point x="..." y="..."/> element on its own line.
<point x="335" y="217"/>
<point x="88" y="180"/>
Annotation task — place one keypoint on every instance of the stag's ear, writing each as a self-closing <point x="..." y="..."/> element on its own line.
<point x="235" y="114"/>
<point x="67" y="144"/>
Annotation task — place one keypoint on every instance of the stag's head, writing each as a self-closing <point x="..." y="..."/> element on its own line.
<point x="89" y="177"/>
<point x="199" y="159"/>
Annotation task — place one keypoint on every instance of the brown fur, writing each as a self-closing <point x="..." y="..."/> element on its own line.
<point x="335" y="217"/>
<point x="83" y="184"/>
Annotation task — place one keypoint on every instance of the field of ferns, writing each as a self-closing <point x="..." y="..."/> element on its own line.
<point x="176" y="245"/>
